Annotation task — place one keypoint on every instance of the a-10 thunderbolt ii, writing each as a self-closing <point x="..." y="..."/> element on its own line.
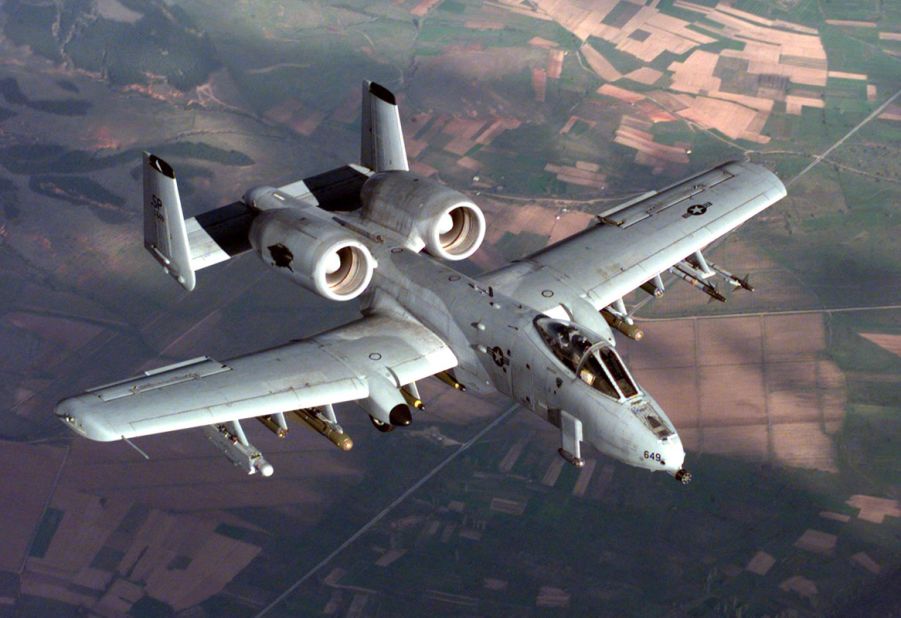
<point x="537" y="330"/>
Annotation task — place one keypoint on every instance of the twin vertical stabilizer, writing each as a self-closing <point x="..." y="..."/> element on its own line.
<point x="382" y="148"/>
<point x="165" y="235"/>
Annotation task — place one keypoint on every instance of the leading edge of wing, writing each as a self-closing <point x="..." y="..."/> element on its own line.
<point x="607" y="261"/>
<point x="333" y="367"/>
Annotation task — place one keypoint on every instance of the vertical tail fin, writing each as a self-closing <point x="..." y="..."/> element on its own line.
<point x="382" y="147"/>
<point x="165" y="236"/>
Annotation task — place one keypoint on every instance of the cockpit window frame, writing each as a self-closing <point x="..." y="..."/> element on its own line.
<point x="600" y="362"/>
<point x="547" y="335"/>
<point x="626" y="373"/>
<point x="606" y="375"/>
<point x="592" y="351"/>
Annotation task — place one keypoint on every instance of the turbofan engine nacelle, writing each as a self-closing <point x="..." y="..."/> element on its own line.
<point x="317" y="254"/>
<point x="429" y="215"/>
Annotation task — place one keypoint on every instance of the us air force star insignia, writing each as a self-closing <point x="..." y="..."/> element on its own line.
<point x="497" y="355"/>
<point x="695" y="210"/>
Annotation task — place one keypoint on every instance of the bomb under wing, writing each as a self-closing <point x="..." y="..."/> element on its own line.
<point x="331" y="431"/>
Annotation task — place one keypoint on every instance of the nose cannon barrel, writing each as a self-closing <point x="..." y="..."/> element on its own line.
<point x="683" y="476"/>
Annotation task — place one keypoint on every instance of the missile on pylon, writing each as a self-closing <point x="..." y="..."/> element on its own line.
<point x="332" y="431"/>
<point x="732" y="279"/>
<point x="652" y="288"/>
<point x="744" y="283"/>
<point x="448" y="378"/>
<point x="629" y="330"/>
<point x="242" y="454"/>
<point x="412" y="399"/>
<point x="273" y="425"/>
<point x="696" y="283"/>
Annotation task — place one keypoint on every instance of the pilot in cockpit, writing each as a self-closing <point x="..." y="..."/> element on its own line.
<point x="580" y="345"/>
<point x="600" y="367"/>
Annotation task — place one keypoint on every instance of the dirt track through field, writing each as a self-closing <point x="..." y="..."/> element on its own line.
<point x="818" y="158"/>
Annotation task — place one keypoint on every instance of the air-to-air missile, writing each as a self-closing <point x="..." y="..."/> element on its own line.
<point x="234" y="445"/>
<point x="732" y="279"/>
<point x="704" y="270"/>
<point x="331" y="431"/>
<point x="697" y="283"/>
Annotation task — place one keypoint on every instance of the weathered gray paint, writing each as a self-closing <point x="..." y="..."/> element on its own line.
<point x="423" y="317"/>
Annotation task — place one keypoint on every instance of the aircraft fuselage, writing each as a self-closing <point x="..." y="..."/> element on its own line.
<point x="498" y="346"/>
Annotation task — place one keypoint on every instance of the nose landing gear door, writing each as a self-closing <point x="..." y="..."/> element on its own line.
<point x="570" y="436"/>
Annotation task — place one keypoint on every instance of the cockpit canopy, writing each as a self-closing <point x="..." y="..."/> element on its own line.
<point x="587" y="355"/>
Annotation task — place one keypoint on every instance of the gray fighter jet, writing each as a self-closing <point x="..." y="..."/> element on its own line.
<point x="539" y="330"/>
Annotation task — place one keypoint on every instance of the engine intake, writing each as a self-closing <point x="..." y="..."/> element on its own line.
<point x="317" y="254"/>
<point x="431" y="216"/>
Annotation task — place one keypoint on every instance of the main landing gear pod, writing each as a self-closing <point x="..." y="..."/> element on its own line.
<point x="386" y="406"/>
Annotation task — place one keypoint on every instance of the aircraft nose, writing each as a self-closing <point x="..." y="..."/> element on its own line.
<point x="674" y="456"/>
<point x="667" y="455"/>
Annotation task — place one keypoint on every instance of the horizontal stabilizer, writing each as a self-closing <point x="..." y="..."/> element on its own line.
<point x="223" y="233"/>
<point x="165" y="236"/>
<point x="219" y="234"/>
<point x="337" y="190"/>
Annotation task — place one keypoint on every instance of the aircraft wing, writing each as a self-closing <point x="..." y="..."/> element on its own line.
<point x="636" y="241"/>
<point x="340" y="365"/>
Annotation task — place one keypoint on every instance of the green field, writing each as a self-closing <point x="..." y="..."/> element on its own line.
<point x="631" y="551"/>
<point x="164" y="41"/>
<point x="635" y="544"/>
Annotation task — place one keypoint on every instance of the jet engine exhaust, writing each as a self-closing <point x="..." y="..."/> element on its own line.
<point x="459" y="232"/>
<point x="346" y="270"/>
